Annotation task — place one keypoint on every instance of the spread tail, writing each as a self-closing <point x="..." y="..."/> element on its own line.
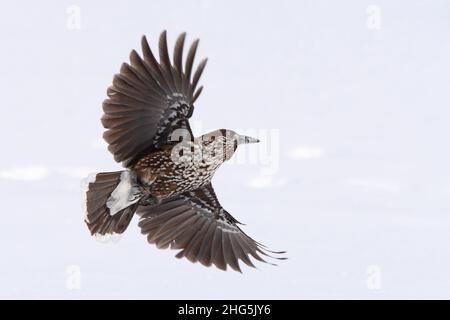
<point x="111" y="200"/>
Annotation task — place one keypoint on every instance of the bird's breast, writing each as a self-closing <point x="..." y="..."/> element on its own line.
<point x="182" y="178"/>
<point x="164" y="178"/>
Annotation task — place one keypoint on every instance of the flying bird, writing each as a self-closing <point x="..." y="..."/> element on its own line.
<point x="168" y="172"/>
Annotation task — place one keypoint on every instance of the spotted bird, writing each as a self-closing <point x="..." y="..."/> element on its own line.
<point x="168" y="172"/>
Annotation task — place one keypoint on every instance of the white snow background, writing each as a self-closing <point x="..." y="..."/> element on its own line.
<point x="356" y="91"/>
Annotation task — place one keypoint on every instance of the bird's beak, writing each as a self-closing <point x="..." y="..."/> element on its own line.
<point x="245" y="139"/>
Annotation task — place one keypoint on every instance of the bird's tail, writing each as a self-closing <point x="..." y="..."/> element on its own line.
<point x="111" y="200"/>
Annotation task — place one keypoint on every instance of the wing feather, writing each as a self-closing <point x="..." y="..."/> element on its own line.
<point x="196" y="223"/>
<point x="148" y="100"/>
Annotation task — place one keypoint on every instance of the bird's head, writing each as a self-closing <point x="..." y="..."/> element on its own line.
<point x="222" y="143"/>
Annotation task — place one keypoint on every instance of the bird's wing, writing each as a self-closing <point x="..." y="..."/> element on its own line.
<point x="149" y="100"/>
<point x="196" y="223"/>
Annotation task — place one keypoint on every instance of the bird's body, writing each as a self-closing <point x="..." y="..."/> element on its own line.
<point x="166" y="173"/>
<point x="167" y="180"/>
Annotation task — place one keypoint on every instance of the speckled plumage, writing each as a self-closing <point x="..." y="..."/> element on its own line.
<point x="163" y="175"/>
<point x="167" y="180"/>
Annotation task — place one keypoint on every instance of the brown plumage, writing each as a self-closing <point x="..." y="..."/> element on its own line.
<point x="167" y="180"/>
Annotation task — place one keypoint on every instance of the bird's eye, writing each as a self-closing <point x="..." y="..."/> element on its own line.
<point x="235" y="145"/>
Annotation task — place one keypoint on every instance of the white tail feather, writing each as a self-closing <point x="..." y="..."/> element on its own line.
<point x="125" y="194"/>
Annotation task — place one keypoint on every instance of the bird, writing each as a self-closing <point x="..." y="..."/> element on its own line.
<point x="167" y="173"/>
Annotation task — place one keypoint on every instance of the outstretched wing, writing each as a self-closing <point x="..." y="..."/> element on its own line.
<point x="196" y="223"/>
<point x="149" y="100"/>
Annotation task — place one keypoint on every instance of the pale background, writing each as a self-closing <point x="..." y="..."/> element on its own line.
<point x="355" y="93"/>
